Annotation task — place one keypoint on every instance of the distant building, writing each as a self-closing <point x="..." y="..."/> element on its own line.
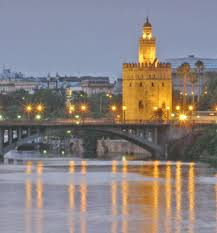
<point x="11" y="86"/>
<point x="147" y="85"/>
<point x="118" y="86"/>
<point x="210" y="64"/>
<point x="95" y="85"/>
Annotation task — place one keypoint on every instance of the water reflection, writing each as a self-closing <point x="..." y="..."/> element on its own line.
<point x="39" y="197"/>
<point x="168" y="195"/>
<point x="83" y="167"/>
<point x="155" y="196"/>
<point x="29" y="167"/>
<point x="191" y="194"/>
<point x="165" y="200"/>
<point x="114" y="166"/>
<point x="83" y="205"/>
<point x="124" y="167"/>
<point x="71" y="194"/>
<point x="71" y="167"/>
<point x="178" y="196"/>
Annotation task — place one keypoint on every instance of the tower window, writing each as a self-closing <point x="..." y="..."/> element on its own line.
<point x="152" y="84"/>
<point x="130" y="85"/>
<point x="140" y="84"/>
<point x="140" y="105"/>
<point x="162" y="84"/>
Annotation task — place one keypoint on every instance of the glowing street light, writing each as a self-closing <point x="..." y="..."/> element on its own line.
<point x="190" y="108"/>
<point x="113" y="108"/>
<point x="28" y="108"/>
<point x="83" y="108"/>
<point x="155" y="108"/>
<point x="183" y="117"/>
<point x="71" y="109"/>
<point x="38" y="117"/>
<point x="40" y="108"/>
<point x="178" y="108"/>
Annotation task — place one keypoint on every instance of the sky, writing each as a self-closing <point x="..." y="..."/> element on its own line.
<point x="94" y="37"/>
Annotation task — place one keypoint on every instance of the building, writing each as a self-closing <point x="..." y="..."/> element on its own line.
<point x="147" y="85"/>
<point x="210" y="64"/>
<point x="96" y="85"/>
<point x="7" y="86"/>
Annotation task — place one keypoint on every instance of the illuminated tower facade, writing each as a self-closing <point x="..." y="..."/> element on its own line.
<point x="147" y="85"/>
<point x="147" y="45"/>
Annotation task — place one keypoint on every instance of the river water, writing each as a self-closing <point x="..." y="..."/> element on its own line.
<point x="108" y="197"/>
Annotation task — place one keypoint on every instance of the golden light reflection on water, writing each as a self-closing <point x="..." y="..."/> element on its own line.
<point x="124" y="187"/>
<point x="28" y="198"/>
<point x="39" y="197"/>
<point x="168" y="195"/>
<point x="124" y="167"/>
<point x="71" y="167"/>
<point x="155" y="196"/>
<point x="29" y="167"/>
<point x="114" y="206"/>
<point x="178" y="196"/>
<point x="39" y="168"/>
<point x="191" y="194"/>
<point x="71" y="196"/>
<point x="114" y="166"/>
<point x="83" y="167"/>
<point x="83" y="205"/>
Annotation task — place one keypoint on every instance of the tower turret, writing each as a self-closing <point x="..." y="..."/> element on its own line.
<point x="147" y="45"/>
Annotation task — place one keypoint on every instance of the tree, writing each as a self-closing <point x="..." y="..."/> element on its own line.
<point x="193" y="79"/>
<point x="199" y="69"/>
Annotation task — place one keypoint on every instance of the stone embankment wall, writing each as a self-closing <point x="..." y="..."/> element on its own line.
<point x="109" y="147"/>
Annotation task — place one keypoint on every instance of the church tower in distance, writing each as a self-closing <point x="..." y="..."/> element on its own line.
<point x="147" y="85"/>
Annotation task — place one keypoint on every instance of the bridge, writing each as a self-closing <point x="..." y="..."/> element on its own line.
<point x="152" y="136"/>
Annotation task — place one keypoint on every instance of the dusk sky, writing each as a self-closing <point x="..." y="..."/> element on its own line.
<point x="95" y="37"/>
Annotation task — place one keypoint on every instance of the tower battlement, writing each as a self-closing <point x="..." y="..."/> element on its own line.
<point x="145" y="65"/>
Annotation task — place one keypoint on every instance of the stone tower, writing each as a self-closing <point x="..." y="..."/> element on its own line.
<point x="147" y="85"/>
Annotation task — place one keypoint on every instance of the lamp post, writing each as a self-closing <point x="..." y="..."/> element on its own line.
<point x="28" y="110"/>
<point x="83" y="110"/>
<point x="114" y="109"/>
<point x="124" y="108"/>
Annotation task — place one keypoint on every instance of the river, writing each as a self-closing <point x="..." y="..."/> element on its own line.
<point x="96" y="197"/>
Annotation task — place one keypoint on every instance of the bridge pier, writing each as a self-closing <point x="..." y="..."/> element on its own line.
<point x="10" y="136"/>
<point x="1" y="140"/>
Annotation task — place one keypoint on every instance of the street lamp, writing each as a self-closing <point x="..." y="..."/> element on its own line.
<point x="178" y="108"/>
<point x="190" y="108"/>
<point x="183" y="117"/>
<point x="71" y="109"/>
<point x="40" y="108"/>
<point x="38" y="117"/>
<point x="114" y="109"/>
<point x="28" y="109"/>
<point x="83" y="110"/>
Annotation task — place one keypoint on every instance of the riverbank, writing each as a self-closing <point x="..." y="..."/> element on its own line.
<point x="199" y="146"/>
